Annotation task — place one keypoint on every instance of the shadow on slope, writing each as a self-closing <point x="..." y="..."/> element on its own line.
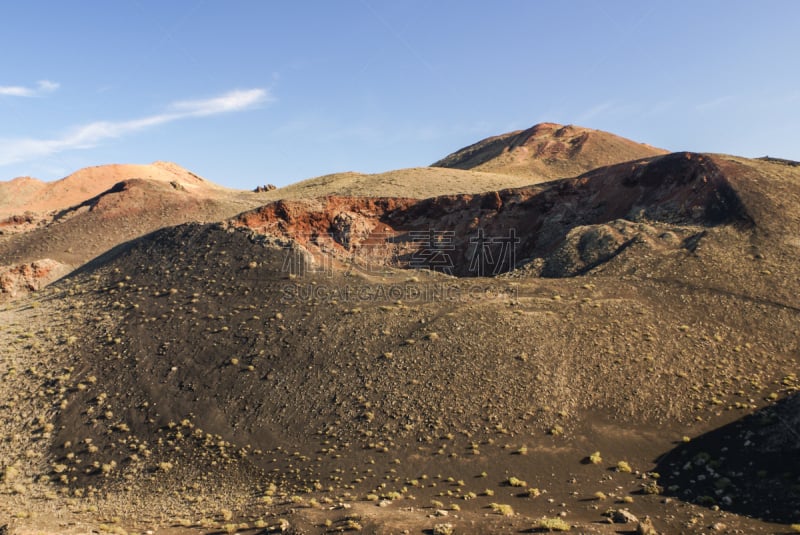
<point x="128" y="209"/>
<point x="749" y="467"/>
<point x="567" y="226"/>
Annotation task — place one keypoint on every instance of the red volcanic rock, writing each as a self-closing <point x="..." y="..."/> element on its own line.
<point x="22" y="278"/>
<point x="571" y="224"/>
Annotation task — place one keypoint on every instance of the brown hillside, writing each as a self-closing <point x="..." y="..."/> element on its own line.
<point x="66" y="223"/>
<point x="127" y="210"/>
<point x="548" y="151"/>
<point x="550" y="329"/>
<point x="25" y="194"/>
<point x="606" y="211"/>
<point x="418" y="182"/>
<point x="202" y="363"/>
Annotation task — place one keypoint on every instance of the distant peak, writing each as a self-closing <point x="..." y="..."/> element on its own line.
<point x="546" y="151"/>
<point x="166" y="165"/>
<point x="547" y="126"/>
<point x="169" y="166"/>
<point x="176" y="169"/>
<point x="24" y="179"/>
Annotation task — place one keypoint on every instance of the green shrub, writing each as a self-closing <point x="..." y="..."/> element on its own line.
<point x="502" y="509"/>
<point x="551" y="524"/>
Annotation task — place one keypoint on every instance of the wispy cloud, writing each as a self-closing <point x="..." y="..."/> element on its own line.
<point x="42" y="88"/>
<point x="92" y="134"/>
<point x="599" y="109"/>
<point x="715" y="103"/>
<point x="232" y="101"/>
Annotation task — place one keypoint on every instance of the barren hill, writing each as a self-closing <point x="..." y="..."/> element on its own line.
<point x="48" y="229"/>
<point x="290" y="347"/>
<point x="418" y="182"/>
<point x="25" y="194"/>
<point x="426" y="350"/>
<point x="561" y="228"/>
<point x="52" y="228"/>
<point x="547" y="151"/>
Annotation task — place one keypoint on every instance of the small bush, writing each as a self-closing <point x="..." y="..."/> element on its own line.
<point x="623" y="466"/>
<point x="443" y="529"/>
<point x="652" y="488"/>
<point x="551" y="524"/>
<point x="502" y="509"/>
<point x="352" y="525"/>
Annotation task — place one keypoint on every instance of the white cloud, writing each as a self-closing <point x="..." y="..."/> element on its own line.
<point x="92" y="134"/>
<point x="232" y="101"/>
<point x="715" y="103"/>
<point x="46" y="86"/>
<point x="42" y="87"/>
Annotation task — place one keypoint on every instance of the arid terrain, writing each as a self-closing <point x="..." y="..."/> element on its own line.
<point x="550" y="330"/>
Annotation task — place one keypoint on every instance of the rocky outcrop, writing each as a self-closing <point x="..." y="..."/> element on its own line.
<point x="565" y="227"/>
<point x="20" y="279"/>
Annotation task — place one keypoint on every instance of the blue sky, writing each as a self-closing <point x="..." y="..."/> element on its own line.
<point x="254" y="92"/>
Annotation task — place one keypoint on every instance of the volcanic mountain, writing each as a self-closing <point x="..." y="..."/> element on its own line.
<point x="547" y="151"/>
<point x="571" y="355"/>
<point x="29" y="195"/>
<point x="51" y="228"/>
<point x="47" y="229"/>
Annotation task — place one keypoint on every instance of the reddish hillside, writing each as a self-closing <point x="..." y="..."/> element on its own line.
<point x="547" y="151"/>
<point x="681" y="192"/>
<point x="66" y="223"/>
<point x="26" y="194"/>
<point x="668" y="309"/>
<point x="125" y="211"/>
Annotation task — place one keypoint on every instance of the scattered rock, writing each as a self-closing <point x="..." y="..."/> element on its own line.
<point x="349" y="228"/>
<point x="283" y="526"/>
<point x="623" y="516"/>
<point x="28" y="277"/>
